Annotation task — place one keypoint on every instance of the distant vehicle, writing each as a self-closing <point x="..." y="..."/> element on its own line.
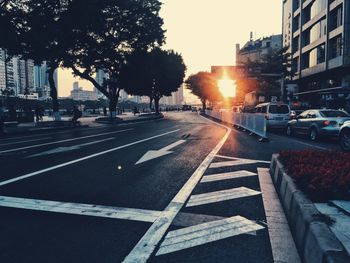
<point x="344" y="136"/>
<point x="316" y="123"/>
<point x="237" y="108"/>
<point x="277" y="114"/>
<point x="194" y="109"/>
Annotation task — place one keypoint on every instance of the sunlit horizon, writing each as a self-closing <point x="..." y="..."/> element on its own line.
<point x="206" y="32"/>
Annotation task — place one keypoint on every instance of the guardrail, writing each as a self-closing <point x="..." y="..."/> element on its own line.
<point x="255" y="123"/>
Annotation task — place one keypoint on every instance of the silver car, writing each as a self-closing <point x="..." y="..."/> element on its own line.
<point x="316" y="123"/>
<point x="344" y="136"/>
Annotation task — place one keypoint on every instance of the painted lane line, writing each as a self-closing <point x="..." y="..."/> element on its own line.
<point x="69" y="148"/>
<point x="80" y="209"/>
<point x="219" y="196"/>
<point x="236" y="158"/>
<point x="282" y="243"/>
<point x="148" y="243"/>
<point x="67" y="140"/>
<point x="150" y="155"/>
<point x="34" y="140"/>
<point x="300" y="142"/>
<point x="83" y="159"/>
<point x="50" y="133"/>
<point x="205" y="233"/>
<point x="226" y="176"/>
<point x="230" y="163"/>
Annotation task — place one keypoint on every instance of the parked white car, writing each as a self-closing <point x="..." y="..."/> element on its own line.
<point x="277" y="114"/>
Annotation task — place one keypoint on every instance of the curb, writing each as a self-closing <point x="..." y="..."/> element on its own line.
<point x="116" y="122"/>
<point x="315" y="241"/>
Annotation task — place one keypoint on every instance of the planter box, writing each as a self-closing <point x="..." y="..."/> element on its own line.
<point x="314" y="239"/>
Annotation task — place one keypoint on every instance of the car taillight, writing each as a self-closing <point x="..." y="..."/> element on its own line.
<point x="326" y="123"/>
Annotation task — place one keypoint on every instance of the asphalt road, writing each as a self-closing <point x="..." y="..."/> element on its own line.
<point x="86" y="196"/>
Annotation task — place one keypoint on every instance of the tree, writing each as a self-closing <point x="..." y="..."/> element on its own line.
<point x="120" y="28"/>
<point x="154" y="74"/>
<point x="204" y="86"/>
<point x="37" y="30"/>
<point x="273" y="67"/>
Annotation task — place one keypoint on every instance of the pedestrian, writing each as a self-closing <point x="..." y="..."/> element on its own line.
<point x="104" y="111"/>
<point x="76" y="115"/>
<point x="37" y="113"/>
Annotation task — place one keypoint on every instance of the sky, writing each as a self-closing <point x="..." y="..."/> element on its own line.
<point x="206" y="32"/>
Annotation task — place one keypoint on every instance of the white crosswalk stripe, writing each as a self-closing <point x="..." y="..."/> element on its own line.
<point x="226" y="176"/>
<point x="81" y="209"/>
<point x="205" y="233"/>
<point x="218" y="196"/>
<point x="231" y="163"/>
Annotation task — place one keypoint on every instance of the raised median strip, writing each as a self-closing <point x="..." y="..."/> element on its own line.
<point x="140" y="118"/>
<point x="315" y="241"/>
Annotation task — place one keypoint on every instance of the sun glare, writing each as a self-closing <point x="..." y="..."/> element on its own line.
<point x="227" y="87"/>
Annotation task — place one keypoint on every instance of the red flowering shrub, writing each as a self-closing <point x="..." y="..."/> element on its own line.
<point x="322" y="174"/>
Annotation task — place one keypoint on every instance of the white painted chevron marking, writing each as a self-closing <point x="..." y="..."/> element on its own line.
<point x="205" y="233"/>
<point x="218" y="196"/>
<point x="80" y="209"/>
<point x="231" y="163"/>
<point x="226" y="176"/>
<point x="236" y="158"/>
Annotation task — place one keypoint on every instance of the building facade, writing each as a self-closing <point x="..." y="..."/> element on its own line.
<point x="317" y="33"/>
<point x="79" y="94"/>
<point x="23" y="77"/>
<point x="255" y="50"/>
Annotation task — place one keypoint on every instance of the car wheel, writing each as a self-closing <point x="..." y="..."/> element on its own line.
<point x="345" y="141"/>
<point x="313" y="134"/>
<point x="289" y="131"/>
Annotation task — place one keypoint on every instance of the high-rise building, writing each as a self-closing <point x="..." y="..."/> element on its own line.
<point x="79" y="94"/>
<point x="101" y="76"/>
<point x="317" y="33"/>
<point x="6" y="72"/>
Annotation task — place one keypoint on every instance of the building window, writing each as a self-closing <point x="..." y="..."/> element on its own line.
<point x="296" y="4"/>
<point x="335" y="47"/>
<point x="295" y="44"/>
<point x="317" y="7"/>
<point x="317" y="56"/>
<point x="318" y="30"/>
<point x="296" y="23"/>
<point x="336" y="18"/>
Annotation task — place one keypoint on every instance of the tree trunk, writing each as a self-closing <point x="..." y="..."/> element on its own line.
<point x="53" y="93"/>
<point x="204" y="104"/>
<point x="113" y="101"/>
<point x="156" y="105"/>
<point x="150" y="103"/>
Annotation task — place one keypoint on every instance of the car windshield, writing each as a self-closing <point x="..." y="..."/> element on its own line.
<point x="334" y="114"/>
<point x="279" y="109"/>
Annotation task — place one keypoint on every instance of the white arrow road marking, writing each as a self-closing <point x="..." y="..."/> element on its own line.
<point x="148" y="243"/>
<point x="83" y="158"/>
<point x="236" y="158"/>
<point x="80" y="209"/>
<point x="68" y="140"/>
<point x="218" y="196"/>
<point x="226" y="176"/>
<point x="204" y="233"/>
<point x="69" y="148"/>
<point x="161" y="152"/>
